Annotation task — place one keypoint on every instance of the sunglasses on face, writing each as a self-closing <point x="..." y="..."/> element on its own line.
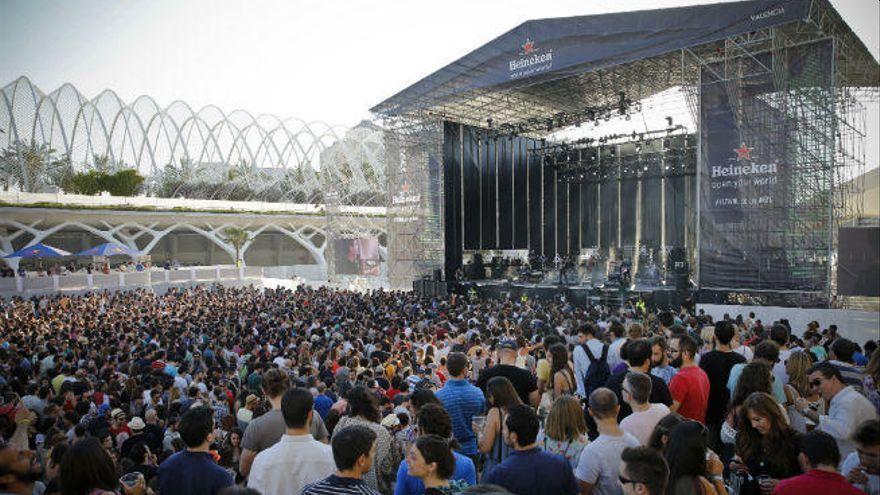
<point x="624" y="480"/>
<point x="816" y="383"/>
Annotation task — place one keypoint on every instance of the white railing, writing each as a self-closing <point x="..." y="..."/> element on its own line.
<point x="79" y="200"/>
<point x="126" y="280"/>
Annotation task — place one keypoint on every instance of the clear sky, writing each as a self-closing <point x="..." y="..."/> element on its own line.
<point x="316" y="59"/>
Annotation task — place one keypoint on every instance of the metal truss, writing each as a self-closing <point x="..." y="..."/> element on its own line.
<point x="205" y="154"/>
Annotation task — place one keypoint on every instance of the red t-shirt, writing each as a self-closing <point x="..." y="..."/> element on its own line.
<point x="816" y="482"/>
<point x="690" y="388"/>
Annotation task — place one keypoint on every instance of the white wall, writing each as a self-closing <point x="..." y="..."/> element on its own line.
<point x="858" y="326"/>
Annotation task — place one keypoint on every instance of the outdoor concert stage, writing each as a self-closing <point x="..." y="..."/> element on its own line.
<point x="705" y="140"/>
<point x="578" y="294"/>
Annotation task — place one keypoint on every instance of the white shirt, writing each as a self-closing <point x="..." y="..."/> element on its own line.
<point x="614" y="352"/>
<point x="851" y="462"/>
<point x="746" y="352"/>
<point x="291" y="464"/>
<point x="848" y="410"/>
<point x="640" y="424"/>
<point x="582" y="362"/>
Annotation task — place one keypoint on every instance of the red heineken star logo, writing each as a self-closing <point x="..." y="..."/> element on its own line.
<point x="405" y="187"/>
<point x="528" y="47"/>
<point x="743" y="152"/>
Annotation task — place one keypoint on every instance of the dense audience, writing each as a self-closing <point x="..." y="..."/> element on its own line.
<point x="212" y="390"/>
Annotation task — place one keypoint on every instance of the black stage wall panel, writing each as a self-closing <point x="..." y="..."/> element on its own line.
<point x="549" y="212"/>
<point x="574" y="218"/>
<point x="520" y="195"/>
<point x="676" y="194"/>
<point x="452" y="197"/>
<point x="471" y="192"/>
<point x="629" y="191"/>
<point x="562" y="218"/>
<point x="590" y="215"/>
<point x="536" y="185"/>
<point x="651" y="212"/>
<point x="488" y="189"/>
<point x="505" y="193"/>
<point x="608" y="212"/>
<point x="858" y="267"/>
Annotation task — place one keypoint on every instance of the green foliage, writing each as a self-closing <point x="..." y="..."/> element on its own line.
<point x="125" y="182"/>
<point x="238" y="237"/>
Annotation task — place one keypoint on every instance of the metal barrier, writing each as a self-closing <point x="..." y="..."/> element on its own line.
<point x="25" y="286"/>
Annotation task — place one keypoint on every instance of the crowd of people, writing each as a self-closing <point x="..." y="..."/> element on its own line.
<point x="214" y="390"/>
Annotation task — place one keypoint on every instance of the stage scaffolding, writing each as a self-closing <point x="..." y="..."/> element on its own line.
<point x="829" y="138"/>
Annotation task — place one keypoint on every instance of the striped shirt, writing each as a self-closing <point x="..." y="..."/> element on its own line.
<point x="335" y="485"/>
<point x="462" y="401"/>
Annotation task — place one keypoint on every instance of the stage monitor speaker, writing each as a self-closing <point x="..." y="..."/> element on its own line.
<point x="858" y="263"/>
<point x="676" y="255"/>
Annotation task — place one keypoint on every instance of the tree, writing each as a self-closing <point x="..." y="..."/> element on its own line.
<point x="32" y="166"/>
<point x="88" y="183"/>
<point x="238" y="237"/>
<point x="123" y="183"/>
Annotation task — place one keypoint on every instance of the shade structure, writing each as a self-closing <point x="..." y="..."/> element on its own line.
<point x="107" y="249"/>
<point x="38" y="250"/>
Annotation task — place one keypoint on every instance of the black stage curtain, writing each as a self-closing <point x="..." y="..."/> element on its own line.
<point x="574" y="218"/>
<point x="590" y="215"/>
<point x="471" y="176"/>
<point x="488" y="194"/>
<point x="520" y="194"/>
<point x="452" y="196"/>
<point x="651" y="212"/>
<point x="536" y="184"/>
<point x="562" y="218"/>
<point x="676" y="194"/>
<point x="629" y="192"/>
<point x="549" y="212"/>
<point x="505" y="192"/>
<point x="608" y="212"/>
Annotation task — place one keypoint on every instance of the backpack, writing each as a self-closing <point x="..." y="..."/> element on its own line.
<point x="598" y="372"/>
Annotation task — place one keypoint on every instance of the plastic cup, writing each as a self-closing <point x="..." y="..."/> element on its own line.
<point x="479" y="422"/>
<point x="131" y="479"/>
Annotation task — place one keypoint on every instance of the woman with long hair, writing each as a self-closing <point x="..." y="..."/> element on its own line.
<point x="565" y="432"/>
<point x="691" y="470"/>
<point x="431" y="460"/>
<point x="363" y="409"/>
<point x="660" y="436"/>
<point x="500" y="395"/>
<point x="87" y="469"/>
<point x="797" y="367"/>
<point x="766" y="445"/>
<point x="561" y="371"/>
<point x="756" y="377"/>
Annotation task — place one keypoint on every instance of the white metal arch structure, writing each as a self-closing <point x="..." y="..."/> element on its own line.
<point x="205" y="153"/>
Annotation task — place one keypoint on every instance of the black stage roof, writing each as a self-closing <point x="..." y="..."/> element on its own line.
<point x="546" y="66"/>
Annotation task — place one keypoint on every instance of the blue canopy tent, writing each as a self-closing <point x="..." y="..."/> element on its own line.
<point x="108" y="249"/>
<point x="38" y="250"/>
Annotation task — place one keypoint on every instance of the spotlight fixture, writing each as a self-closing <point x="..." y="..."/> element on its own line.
<point x="668" y="121"/>
<point x="549" y="125"/>
<point x="489" y="122"/>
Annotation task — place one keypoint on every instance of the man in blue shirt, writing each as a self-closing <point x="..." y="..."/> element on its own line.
<point x="462" y="401"/>
<point x="193" y="471"/>
<point x="529" y="470"/>
<point x="434" y="420"/>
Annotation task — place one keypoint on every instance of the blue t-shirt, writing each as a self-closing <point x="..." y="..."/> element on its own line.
<point x="463" y="401"/>
<point x="410" y="485"/>
<point x="323" y="405"/>
<point x="533" y="472"/>
<point x="775" y="385"/>
<point x="192" y="473"/>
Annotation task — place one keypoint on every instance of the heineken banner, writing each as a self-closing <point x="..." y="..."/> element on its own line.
<point x="766" y="123"/>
